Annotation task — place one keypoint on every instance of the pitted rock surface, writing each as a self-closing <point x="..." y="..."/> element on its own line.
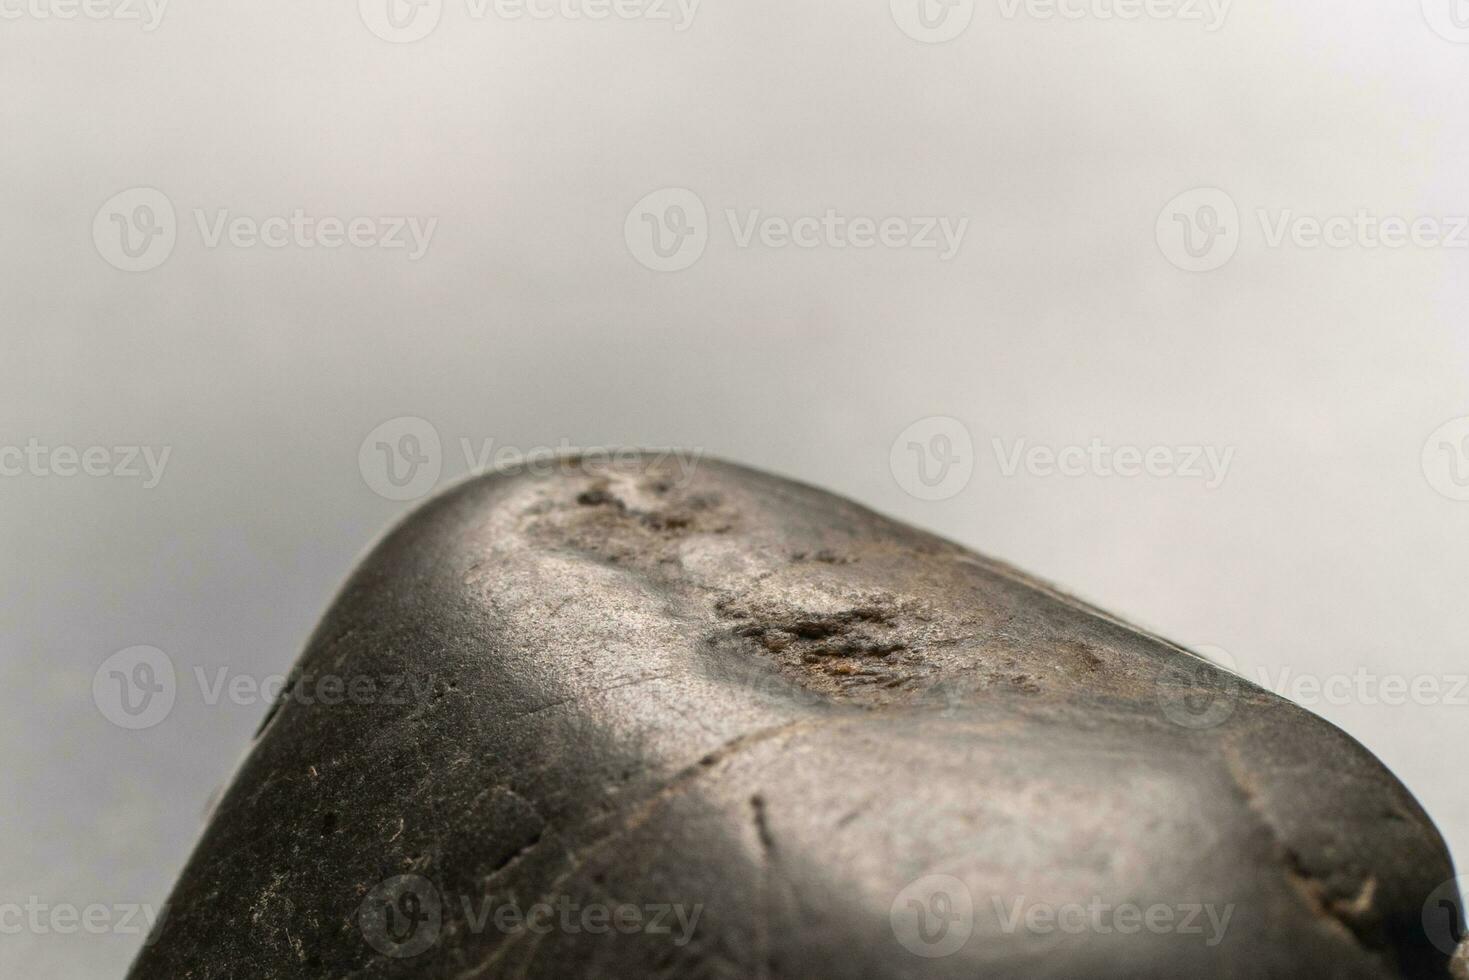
<point x="810" y="741"/>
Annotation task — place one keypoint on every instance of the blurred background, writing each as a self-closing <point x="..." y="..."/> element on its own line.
<point x="270" y="272"/>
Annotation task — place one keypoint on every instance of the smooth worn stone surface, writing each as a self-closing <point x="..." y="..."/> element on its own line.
<point x="629" y="721"/>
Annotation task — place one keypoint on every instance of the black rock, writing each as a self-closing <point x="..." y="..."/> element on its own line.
<point x="623" y="721"/>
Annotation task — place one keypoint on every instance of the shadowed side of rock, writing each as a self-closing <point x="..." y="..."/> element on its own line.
<point x="629" y="721"/>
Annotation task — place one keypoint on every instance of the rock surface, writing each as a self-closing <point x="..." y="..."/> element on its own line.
<point x="624" y="721"/>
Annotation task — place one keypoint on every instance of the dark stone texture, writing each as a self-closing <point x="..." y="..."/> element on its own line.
<point x="745" y="697"/>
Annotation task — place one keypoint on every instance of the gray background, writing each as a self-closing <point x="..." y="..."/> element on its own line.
<point x="529" y="322"/>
